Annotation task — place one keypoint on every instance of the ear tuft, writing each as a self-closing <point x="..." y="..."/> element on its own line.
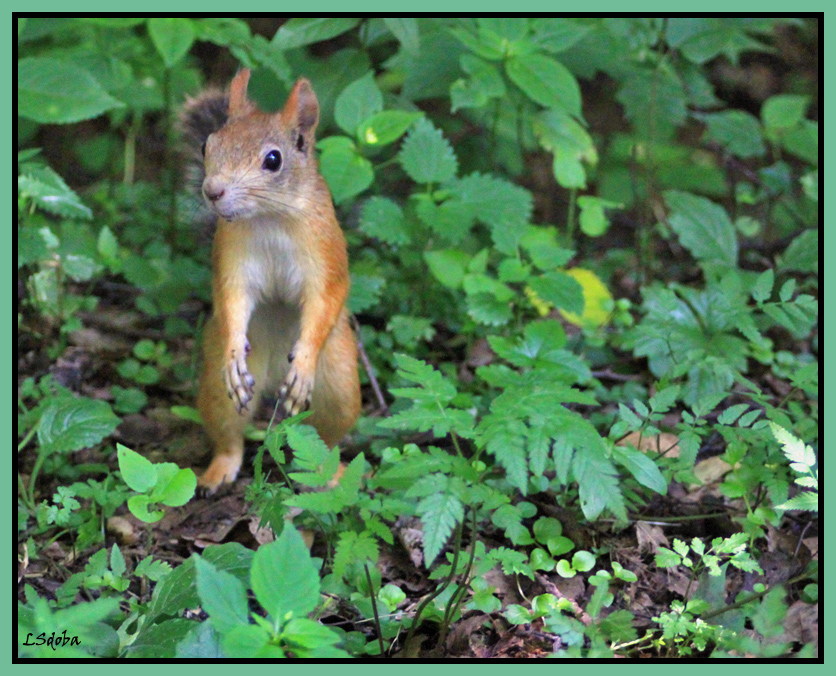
<point x="239" y="104"/>
<point x="302" y="108"/>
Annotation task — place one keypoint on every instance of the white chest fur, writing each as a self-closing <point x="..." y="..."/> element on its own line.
<point x="273" y="269"/>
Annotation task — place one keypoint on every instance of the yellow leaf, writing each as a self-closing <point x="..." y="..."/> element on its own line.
<point x="598" y="301"/>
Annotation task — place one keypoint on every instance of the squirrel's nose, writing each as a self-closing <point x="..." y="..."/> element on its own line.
<point x="213" y="190"/>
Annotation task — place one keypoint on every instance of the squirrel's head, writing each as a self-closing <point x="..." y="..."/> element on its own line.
<point x="262" y="162"/>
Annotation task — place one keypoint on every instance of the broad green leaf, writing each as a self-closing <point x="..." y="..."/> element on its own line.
<point x="485" y="83"/>
<point x="386" y="127"/>
<point x="784" y="110"/>
<point x="353" y="547"/>
<point x="357" y="102"/>
<point x="546" y="81"/>
<point x="557" y="35"/>
<point x="347" y="172"/>
<point x="558" y="288"/>
<point x="53" y="91"/>
<point x="365" y="291"/>
<point x="172" y="37"/>
<point x="704" y="228"/>
<point x="69" y="424"/>
<point x="284" y="578"/>
<point x="222" y="596"/>
<point x="138" y="472"/>
<point x="405" y="29"/>
<point x="447" y="266"/>
<point x="298" y="32"/>
<point x="762" y="289"/>
<point x="426" y="156"/>
<point x="737" y="131"/>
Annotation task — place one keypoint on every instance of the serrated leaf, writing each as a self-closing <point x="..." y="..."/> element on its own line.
<point x="560" y="289"/>
<point x="382" y="218"/>
<point x="222" y="596"/>
<point x="439" y="512"/>
<point x="807" y="501"/>
<point x="426" y="156"/>
<point x="447" y="266"/>
<point x="53" y="91"/>
<point x="69" y="424"/>
<point x="353" y="547"/>
<point x="737" y="131"/>
<point x="284" y="578"/>
<point x="704" y="228"/>
<point x="762" y="289"/>
<point x="49" y="192"/>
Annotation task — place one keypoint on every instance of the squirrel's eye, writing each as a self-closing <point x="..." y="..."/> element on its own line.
<point x="273" y="160"/>
<point x="203" y="149"/>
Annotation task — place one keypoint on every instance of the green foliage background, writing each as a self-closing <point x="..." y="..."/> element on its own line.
<point x="574" y="198"/>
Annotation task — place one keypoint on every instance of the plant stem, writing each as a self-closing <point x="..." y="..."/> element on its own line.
<point x="374" y="607"/>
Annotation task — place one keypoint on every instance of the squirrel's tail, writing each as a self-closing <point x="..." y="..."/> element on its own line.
<point x="199" y="117"/>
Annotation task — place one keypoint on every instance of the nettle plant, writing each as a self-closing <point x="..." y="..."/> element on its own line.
<point x="486" y="313"/>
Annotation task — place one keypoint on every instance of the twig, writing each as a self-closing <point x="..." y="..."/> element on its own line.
<point x="384" y="407"/>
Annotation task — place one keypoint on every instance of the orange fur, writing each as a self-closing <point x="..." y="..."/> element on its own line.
<point x="280" y="280"/>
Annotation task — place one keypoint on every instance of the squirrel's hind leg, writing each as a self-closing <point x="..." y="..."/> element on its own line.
<point x="224" y="425"/>
<point x="335" y="401"/>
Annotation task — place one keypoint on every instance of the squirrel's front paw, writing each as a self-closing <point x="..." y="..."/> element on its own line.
<point x="296" y="390"/>
<point x="239" y="382"/>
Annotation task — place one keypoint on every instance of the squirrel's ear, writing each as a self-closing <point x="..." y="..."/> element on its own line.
<point x="302" y="108"/>
<point x="239" y="104"/>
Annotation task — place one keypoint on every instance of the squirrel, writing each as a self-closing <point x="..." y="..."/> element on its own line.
<point x="279" y="272"/>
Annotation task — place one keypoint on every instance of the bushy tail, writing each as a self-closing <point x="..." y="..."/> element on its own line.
<point x="199" y="117"/>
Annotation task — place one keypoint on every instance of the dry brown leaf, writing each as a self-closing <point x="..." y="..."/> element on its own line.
<point x="711" y="470"/>
<point x="650" y="537"/>
<point x="662" y="443"/>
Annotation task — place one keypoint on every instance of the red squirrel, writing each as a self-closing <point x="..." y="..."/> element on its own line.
<point x="279" y="273"/>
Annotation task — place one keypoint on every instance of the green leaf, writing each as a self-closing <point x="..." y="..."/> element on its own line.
<point x="737" y="131"/>
<point x="358" y="102"/>
<point x="807" y="501"/>
<point x="386" y="127"/>
<point x="784" y="110"/>
<point x="560" y="289"/>
<point x="354" y="547"/>
<point x="138" y="505"/>
<point x="53" y="91"/>
<point x="426" y="156"/>
<point x="298" y="32"/>
<point x="641" y="467"/>
<point x="284" y="578"/>
<point x="347" y="172"/>
<point x="138" y="472"/>
<point x="592" y="220"/>
<point x="583" y="561"/>
<point x="485" y="83"/>
<point x="405" y="29"/>
<point x="365" y="292"/>
<point x="440" y="512"/>
<point x="557" y="35"/>
<point x="762" y="289"/>
<point x="222" y="596"/>
<point x="545" y="81"/>
<point x="382" y="218"/>
<point x="505" y="207"/>
<point x="704" y="228"/>
<point x="172" y="37"/>
<point x="49" y="192"/>
<point x="69" y="424"/>
<point x="448" y="266"/>
<point x="179" y="488"/>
